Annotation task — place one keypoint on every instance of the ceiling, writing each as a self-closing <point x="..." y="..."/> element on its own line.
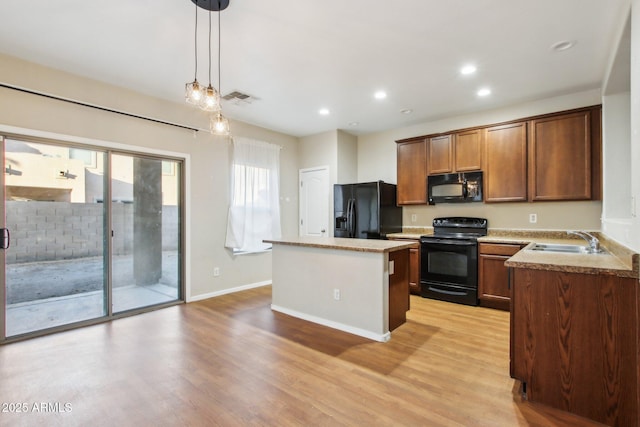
<point x="294" y="57"/>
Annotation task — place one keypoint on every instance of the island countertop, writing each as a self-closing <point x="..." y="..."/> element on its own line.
<point x="358" y="245"/>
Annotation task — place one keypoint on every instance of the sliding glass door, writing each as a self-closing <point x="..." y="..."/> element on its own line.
<point x="145" y="231"/>
<point x="91" y="234"/>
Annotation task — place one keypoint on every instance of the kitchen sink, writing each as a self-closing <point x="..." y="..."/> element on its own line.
<point x="572" y="249"/>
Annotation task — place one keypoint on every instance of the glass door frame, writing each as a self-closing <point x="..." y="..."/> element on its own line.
<point x="181" y="172"/>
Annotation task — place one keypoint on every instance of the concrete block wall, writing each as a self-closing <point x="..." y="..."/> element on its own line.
<point x="48" y="231"/>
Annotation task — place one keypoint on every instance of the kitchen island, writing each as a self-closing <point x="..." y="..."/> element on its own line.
<point x="360" y="286"/>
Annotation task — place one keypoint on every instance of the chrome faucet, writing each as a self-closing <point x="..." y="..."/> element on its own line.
<point x="594" y="243"/>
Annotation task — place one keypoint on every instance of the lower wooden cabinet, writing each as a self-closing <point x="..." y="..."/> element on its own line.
<point x="574" y="342"/>
<point x="493" y="276"/>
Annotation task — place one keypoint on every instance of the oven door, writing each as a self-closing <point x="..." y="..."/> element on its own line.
<point x="449" y="270"/>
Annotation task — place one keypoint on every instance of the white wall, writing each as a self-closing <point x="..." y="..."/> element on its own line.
<point x="377" y="160"/>
<point x="621" y="133"/>
<point x="634" y="231"/>
<point x="208" y="193"/>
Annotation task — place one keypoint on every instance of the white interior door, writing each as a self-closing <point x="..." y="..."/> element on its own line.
<point x="314" y="202"/>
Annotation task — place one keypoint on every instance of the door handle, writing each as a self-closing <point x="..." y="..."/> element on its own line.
<point x="6" y="239"/>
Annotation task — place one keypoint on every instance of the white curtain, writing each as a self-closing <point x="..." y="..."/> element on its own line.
<point x="254" y="213"/>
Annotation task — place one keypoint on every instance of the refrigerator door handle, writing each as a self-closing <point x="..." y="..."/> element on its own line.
<point x="349" y="218"/>
<point x="352" y="228"/>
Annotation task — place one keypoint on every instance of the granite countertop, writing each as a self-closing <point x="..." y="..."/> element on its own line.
<point x="618" y="259"/>
<point x="411" y="233"/>
<point x="358" y="245"/>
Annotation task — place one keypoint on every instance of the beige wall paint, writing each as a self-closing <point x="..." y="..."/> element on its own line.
<point x="209" y="157"/>
<point x="320" y="150"/>
<point x="347" y="158"/>
<point x="377" y="160"/>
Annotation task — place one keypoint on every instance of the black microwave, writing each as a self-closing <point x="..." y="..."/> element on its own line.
<point x="455" y="188"/>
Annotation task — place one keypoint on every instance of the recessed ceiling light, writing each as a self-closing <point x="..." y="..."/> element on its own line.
<point x="380" y="94"/>
<point x="468" y="69"/>
<point x="324" y="111"/>
<point x="485" y="91"/>
<point x="563" y="45"/>
<point x="406" y="111"/>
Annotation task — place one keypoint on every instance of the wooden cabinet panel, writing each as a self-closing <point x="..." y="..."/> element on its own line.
<point x="505" y="178"/>
<point x="398" y="288"/>
<point x="414" y="271"/>
<point x="560" y="157"/>
<point x="460" y="152"/>
<point x="412" y="172"/>
<point x="468" y="150"/>
<point x="493" y="276"/>
<point x="414" y="266"/>
<point x="440" y="155"/>
<point x="574" y="342"/>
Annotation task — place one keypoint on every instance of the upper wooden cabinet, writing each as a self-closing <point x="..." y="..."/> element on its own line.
<point x="459" y="152"/>
<point x="554" y="156"/>
<point x="412" y="171"/>
<point x="468" y="150"/>
<point x="440" y="154"/>
<point x="505" y="177"/>
<point x="560" y="157"/>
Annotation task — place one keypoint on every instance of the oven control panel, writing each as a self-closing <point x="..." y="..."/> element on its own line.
<point x="460" y="222"/>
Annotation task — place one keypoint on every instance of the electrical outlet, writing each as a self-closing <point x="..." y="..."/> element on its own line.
<point x="533" y="218"/>
<point x="336" y="294"/>
<point x="414" y="217"/>
<point x="216" y="271"/>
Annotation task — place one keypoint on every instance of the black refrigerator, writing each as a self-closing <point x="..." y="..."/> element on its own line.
<point x="366" y="211"/>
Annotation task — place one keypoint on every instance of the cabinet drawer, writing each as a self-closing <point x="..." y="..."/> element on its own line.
<point x="498" y="249"/>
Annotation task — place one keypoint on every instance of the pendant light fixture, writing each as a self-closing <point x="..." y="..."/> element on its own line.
<point x="209" y="99"/>
<point x="193" y="90"/>
<point x="219" y="124"/>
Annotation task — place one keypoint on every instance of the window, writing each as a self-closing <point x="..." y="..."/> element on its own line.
<point x="88" y="157"/>
<point x="254" y="212"/>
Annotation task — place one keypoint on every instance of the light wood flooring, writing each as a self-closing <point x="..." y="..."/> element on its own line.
<point x="231" y="361"/>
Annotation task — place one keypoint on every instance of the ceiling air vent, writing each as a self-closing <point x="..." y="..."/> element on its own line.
<point x="239" y="98"/>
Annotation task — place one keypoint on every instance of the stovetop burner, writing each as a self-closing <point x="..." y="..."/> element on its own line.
<point x="459" y="228"/>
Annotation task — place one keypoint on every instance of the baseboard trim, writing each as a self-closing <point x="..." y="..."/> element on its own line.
<point x="228" y="291"/>
<point x="335" y="325"/>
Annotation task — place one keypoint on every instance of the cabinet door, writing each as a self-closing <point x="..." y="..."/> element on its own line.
<point x="560" y="157"/>
<point x="573" y="341"/>
<point x="440" y="156"/>
<point x="468" y="150"/>
<point x="506" y="163"/>
<point x="412" y="172"/>
<point x="493" y="283"/>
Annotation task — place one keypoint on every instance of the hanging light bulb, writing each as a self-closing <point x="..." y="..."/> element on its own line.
<point x="210" y="100"/>
<point x="219" y="124"/>
<point x="193" y="91"/>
